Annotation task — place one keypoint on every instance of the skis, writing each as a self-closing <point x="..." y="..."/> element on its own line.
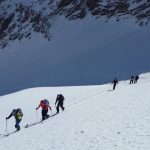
<point x="32" y="124"/>
<point x="8" y="133"/>
<point x="35" y="123"/>
<point x="54" y="114"/>
<point x="11" y="132"/>
<point x="110" y="90"/>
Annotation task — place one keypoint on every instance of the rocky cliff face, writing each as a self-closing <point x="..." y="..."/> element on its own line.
<point x="19" y="20"/>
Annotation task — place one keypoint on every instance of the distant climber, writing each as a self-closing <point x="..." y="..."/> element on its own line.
<point x="59" y="102"/>
<point x="45" y="105"/>
<point x="17" y="113"/>
<point x="114" y="82"/>
<point x="131" y="79"/>
<point x="136" y="78"/>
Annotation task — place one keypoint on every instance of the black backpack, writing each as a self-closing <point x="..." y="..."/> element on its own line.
<point x="60" y="97"/>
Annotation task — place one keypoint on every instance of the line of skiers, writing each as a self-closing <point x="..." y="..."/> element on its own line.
<point x="133" y="79"/>
<point x="44" y="104"/>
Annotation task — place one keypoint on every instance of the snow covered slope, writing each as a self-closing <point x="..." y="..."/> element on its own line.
<point x="94" y="119"/>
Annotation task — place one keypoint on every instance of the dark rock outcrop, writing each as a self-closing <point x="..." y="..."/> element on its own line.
<point x="19" y="20"/>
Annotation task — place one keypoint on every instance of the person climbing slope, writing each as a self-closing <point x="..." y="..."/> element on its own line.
<point x="114" y="82"/>
<point x="59" y="102"/>
<point x="44" y="104"/>
<point x="17" y="113"/>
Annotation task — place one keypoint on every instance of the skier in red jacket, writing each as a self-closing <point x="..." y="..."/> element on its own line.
<point x="45" y="105"/>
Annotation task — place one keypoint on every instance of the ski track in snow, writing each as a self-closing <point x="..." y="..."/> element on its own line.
<point x="94" y="119"/>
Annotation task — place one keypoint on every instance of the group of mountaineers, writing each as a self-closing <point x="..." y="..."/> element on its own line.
<point x="44" y="104"/>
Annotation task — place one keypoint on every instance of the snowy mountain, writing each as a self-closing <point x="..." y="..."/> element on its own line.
<point x="25" y="17"/>
<point x="89" y="42"/>
<point x="94" y="118"/>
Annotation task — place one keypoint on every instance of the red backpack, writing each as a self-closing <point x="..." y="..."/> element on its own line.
<point x="43" y="104"/>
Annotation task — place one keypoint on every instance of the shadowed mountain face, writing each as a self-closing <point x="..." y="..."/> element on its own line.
<point x="88" y="42"/>
<point x="19" y="19"/>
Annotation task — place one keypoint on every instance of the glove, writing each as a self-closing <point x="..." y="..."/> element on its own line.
<point x="6" y="118"/>
<point x="36" y="108"/>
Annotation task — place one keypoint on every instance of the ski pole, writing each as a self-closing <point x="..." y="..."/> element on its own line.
<point x="36" y="115"/>
<point x="6" y="126"/>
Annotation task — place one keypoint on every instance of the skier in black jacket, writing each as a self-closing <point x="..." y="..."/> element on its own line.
<point x="59" y="102"/>
<point x="131" y="79"/>
<point x="136" y="78"/>
<point x="114" y="82"/>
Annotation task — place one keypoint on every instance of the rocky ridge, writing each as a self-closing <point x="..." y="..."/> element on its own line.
<point x="19" y="20"/>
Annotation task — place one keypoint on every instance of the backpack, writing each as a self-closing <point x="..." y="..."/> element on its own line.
<point x="61" y="97"/>
<point x="46" y="101"/>
<point x="19" y="114"/>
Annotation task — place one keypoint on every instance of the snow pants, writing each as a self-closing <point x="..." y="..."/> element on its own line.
<point x="17" y="126"/>
<point x="60" y="104"/>
<point x="114" y="86"/>
<point x="44" y="114"/>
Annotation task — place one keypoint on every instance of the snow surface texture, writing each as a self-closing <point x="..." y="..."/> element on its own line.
<point x="94" y="119"/>
<point x="81" y="52"/>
